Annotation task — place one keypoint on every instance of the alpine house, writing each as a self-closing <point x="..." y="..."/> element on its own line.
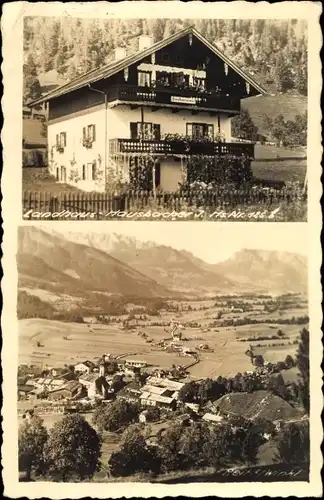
<point x="159" y="107"/>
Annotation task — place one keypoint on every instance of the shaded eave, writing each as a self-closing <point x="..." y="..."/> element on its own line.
<point x="116" y="66"/>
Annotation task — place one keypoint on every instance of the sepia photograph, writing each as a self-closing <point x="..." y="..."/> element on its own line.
<point x="146" y="357"/>
<point x="142" y="118"/>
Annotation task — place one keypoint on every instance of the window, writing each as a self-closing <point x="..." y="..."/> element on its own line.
<point x="165" y="57"/>
<point x="145" y="131"/>
<point x="89" y="133"/>
<point x="61" y="140"/>
<point x="144" y="78"/>
<point x="179" y="79"/>
<point x="199" y="83"/>
<point x="200" y="130"/>
<point x="89" y="171"/>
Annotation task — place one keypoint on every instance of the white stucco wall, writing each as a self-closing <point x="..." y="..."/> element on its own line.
<point x="121" y="116"/>
<point x="73" y="127"/>
<point x="118" y="126"/>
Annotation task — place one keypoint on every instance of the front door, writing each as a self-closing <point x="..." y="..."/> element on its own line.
<point x="63" y="174"/>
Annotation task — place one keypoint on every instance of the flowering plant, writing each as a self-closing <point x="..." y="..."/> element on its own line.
<point x="87" y="142"/>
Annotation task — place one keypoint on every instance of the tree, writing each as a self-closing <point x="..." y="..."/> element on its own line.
<point x="53" y="45"/>
<point x="289" y="361"/>
<point x="259" y="360"/>
<point x="302" y="362"/>
<point x="285" y="78"/>
<point x="32" y="438"/>
<point x="277" y="385"/>
<point x="216" y="446"/>
<point x="193" y="439"/>
<point x="170" y="448"/>
<point x="153" y="414"/>
<point x="62" y="56"/>
<point x="115" y="416"/>
<point x="243" y="126"/>
<point x="189" y="392"/>
<point x="134" y="455"/>
<point x="117" y="383"/>
<point x="72" y="449"/>
<point x="293" y="444"/>
<point x="32" y="88"/>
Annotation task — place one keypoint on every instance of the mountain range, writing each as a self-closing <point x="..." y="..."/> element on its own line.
<point x="92" y="265"/>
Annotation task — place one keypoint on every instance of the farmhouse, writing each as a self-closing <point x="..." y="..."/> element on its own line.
<point x="151" y="399"/>
<point x="170" y="100"/>
<point x="131" y="392"/>
<point x="84" y="367"/>
<point x="135" y="363"/>
<point x="211" y="417"/>
<point x="71" y="390"/>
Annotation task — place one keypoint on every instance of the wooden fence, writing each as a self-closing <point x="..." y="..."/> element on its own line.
<point x="100" y="204"/>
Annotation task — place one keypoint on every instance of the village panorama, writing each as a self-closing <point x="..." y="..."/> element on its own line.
<point x="139" y="361"/>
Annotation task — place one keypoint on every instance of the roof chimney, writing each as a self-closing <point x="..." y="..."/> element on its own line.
<point x="120" y="53"/>
<point x="144" y="42"/>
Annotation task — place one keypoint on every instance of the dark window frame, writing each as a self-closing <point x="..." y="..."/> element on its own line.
<point x="155" y="129"/>
<point x="205" y="129"/>
<point x="144" y="73"/>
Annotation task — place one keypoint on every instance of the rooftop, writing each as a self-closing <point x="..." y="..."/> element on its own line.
<point x="156" y="397"/>
<point x="166" y="382"/>
<point x="114" y="67"/>
<point x="212" y="418"/>
<point x="91" y="377"/>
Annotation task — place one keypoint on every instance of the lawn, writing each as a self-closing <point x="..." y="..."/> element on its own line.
<point x="287" y="170"/>
<point x="38" y="179"/>
<point x="266" y="151"/>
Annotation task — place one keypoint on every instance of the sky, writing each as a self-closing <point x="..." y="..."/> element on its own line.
<point x="210" y="241"/>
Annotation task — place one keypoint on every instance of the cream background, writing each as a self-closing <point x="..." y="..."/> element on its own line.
<point x="12" y="23"/>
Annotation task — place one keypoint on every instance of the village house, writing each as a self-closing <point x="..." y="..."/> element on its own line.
<point x="48" y="383"/>
<point x="84" y="367"/>
<point x="131" y="392"/>
<point x="106" y="121"/>
<point x="135" y="363"/>
<point x="71" y="390"/>
<point x="212" y="418"/>
<point x="152" y="399"/>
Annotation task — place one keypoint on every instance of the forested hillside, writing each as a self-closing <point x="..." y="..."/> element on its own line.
<point x="274" y="52"/>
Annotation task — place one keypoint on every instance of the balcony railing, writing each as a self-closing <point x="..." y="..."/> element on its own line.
<point x="164" y="147"/>
<point x="186" y="98"/>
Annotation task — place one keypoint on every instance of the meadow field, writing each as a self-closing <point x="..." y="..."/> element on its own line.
<point x="55" y="343"/>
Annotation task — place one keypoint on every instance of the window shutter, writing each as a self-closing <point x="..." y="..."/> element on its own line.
<point x="57" y="140"/>
<point x="157" y="131"/>
<point x="189" y="129"/>
<point x="94" y="132"/>
<point x="210" y="130"/>
<point x="64" y="139"/>
<point x="83" y="172"/>
<point x="94" y="167"/>
<point x="133" y="130"/>
<point x="84" y="132"/>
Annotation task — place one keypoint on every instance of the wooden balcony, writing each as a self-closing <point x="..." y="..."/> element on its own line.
<point x="173" y="97"/>
<point x="164" y="147"/>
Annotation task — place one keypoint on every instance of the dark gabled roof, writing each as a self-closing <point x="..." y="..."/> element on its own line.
<point x="115" y="66"/>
